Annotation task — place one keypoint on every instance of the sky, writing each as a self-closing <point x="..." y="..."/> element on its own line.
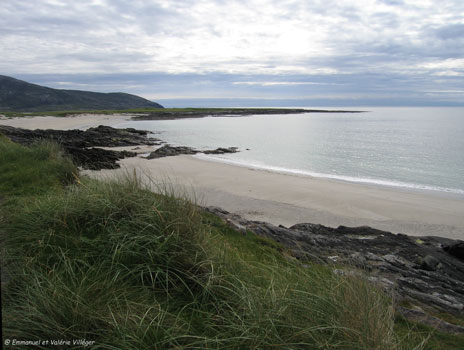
<point x="250" y="52"/>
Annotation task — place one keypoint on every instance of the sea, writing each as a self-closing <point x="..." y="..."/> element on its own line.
<point x="414" y="149"/>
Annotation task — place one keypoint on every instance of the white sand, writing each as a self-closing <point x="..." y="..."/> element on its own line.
<point x="281" y="198"/>
<point x="81" y="121"/>
<point x="290" y="199"/>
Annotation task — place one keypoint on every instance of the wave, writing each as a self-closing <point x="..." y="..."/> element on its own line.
<point x="360" y="180"/>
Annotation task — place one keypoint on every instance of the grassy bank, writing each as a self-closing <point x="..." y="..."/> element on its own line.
<point x="167" y="113"/>
<point x="135" y="110"/>
<point x="120" y="266"/>
<point x="155" y="111"/>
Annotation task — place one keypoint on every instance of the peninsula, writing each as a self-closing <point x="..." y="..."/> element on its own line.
<point x="20" y="96"/>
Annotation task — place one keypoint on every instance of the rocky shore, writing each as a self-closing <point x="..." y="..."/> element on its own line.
<point x="84" y="146"/>
<point x="224" y="112"/>
<point x="424" y="273"/>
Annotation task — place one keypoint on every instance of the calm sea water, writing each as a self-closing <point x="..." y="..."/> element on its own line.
<point x="410" y="148"/>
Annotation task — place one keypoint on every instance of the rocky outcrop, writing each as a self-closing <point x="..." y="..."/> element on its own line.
<point x="221" y="150"/>
<point x="169" y="151"/>
<point x="456" y="249"/>
<point x="82" y="145"/>
<point x="425" y="271"/>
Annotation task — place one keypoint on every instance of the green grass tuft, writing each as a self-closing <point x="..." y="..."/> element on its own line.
<point x="30" y="171"/>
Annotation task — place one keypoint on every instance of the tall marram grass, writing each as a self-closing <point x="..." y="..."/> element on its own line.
<point x="30" y="171"/>
<point x="115" y="263"/>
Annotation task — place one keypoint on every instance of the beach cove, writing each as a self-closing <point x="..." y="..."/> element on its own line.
<point x="281" y="199"/>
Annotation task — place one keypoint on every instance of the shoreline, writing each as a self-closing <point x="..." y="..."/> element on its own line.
<point x="414" y="188"/>
<point x="231" y="112"/>
<point x="283" y="199"/>
<point x="277" y="198"/>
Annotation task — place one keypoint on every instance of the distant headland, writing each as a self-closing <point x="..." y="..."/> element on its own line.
<point x="18" y="96"/>
<point x="21" y="96"/>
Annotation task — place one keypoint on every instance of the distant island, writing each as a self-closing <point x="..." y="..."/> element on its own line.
<point x="21" y="96"/>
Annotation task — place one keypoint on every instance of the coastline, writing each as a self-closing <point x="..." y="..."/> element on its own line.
<point x="397" y="186"/>
<point x="284" y="199"/>
<point x="280" y="199"/>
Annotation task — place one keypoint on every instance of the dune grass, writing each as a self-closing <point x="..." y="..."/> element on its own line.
<point x="113" y="263"/>
<point x="29" y="171"/>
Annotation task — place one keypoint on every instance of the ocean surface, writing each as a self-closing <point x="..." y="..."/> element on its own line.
<point x="409" y="148"/>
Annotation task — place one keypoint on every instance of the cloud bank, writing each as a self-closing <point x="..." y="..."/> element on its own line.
<point x="368" y="51"/>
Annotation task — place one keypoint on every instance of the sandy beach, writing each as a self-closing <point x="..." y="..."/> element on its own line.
<point x="281" y="199"/>
<point x="80" y="121"/>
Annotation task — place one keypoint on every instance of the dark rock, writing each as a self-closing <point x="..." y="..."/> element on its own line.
<point x="97" y="158"/>
<point x="170" y="151"/>
<point x="456" y="250"/>
<point x="429" y="263"/>
<point x="222" y="150"/>
<point x="80" y="145"/>
<point x="360" y="231"/>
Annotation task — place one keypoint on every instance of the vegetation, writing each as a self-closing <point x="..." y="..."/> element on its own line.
<point x="18" y="95"/>
<point x="113" y="263"/>
<point x="162" y="112"/>
<point x="32" y="171"/>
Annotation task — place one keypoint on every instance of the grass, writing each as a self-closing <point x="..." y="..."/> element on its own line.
<point x="74" y="112"/>
<point x="160" y="111"/>
<point x="114" y="263"/>
<point x="33" y="171"/>
<point x="433" y="339"/>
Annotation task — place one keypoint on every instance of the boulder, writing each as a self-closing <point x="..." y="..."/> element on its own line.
<point x="456" y="250"/>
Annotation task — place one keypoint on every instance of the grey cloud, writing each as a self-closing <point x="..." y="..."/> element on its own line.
<point x="386" y="19"/>
<point x="392" y="2"/>
<point x="450" y="32"/>
<point x="96" y="37"/>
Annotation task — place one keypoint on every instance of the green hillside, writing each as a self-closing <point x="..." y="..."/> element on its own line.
<point x="18" y="95"/>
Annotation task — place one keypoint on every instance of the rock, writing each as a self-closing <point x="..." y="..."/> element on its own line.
<point x="456" y="250"/>
<point x="416" y="268"/>
<point x="81" y="145"/>
<point x="97" y="158"/>
<point x="429" y="263"/>
<point x="170" y="151"/>
<point x="222" y="150"/>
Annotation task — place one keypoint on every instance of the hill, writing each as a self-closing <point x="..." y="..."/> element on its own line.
<point x="19" y="95"/>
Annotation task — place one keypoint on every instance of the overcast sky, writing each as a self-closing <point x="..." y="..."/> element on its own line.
<point x="314" y="52"/>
